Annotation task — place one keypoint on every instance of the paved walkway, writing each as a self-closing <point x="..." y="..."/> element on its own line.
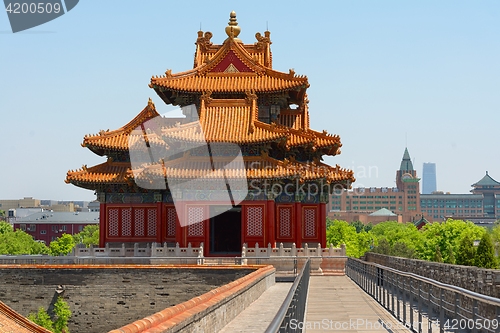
<point x="258" y="315"/>
<point x="337" y="304"/>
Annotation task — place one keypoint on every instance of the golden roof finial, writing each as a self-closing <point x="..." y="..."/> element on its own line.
<point x="233" y="30"/>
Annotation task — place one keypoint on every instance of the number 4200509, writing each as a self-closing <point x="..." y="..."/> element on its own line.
<point x="33" y="8"/>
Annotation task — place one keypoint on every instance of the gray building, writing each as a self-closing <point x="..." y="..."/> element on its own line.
<point x="429" y="183"/>
<point x="482" y="206"/>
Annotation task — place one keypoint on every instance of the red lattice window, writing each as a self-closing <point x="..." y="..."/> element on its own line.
<point x="309" y="222"/>
<point x="152" y="222"/>
<point x="255" y="221"/>
<point x="285" y="222"/>
<point x="171" y="222"/>
<point x="139" y="221"/>
<point x="127" y="222"/>
<point x="195" y="228"/>
<point x="113" y="222"/>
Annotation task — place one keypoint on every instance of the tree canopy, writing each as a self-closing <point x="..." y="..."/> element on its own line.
<point x="19" y="242"/>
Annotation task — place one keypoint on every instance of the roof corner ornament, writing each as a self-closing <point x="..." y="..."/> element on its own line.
<point x="262" y="41"/>
<point x="232" y="29"/>
<point x="203" y="40"/>
<point x="168" y="73"/>
<point x="150" y="103"/>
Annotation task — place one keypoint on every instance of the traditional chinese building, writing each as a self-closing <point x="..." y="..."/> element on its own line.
<point x="237" y="98"/>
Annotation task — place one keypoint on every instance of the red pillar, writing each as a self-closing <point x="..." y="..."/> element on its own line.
<point x="179" y="231"/>
<point x="298" y="224"/>
<point x="102" y="225"/>
<point x="322" y="224"/>
<point x="159" y="222"/>
<point x="270" y="220"/>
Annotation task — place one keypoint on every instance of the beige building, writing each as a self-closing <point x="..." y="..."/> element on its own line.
<point x="26" y="202"/>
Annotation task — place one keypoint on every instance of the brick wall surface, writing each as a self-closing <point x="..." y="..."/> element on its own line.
<point x="102" y="299"/>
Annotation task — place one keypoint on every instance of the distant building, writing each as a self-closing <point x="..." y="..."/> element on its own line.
<point x="46" y="226"/>
<point x="26" y="202"/>
<point x="429" y="183"/>
<point x="373" y="204"/>
<point x="480" y="207"/>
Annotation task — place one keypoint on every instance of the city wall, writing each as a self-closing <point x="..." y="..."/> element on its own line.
<point x="480" y="280"/>
<point x="105" y="297"/>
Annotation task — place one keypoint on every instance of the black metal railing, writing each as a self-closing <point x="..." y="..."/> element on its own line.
<point x="426" y="305"/>
<point x="294" y="306"/>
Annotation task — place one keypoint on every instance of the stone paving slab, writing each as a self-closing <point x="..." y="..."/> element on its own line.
<point x="337" y="304"/>
<point x="258" y="315"/>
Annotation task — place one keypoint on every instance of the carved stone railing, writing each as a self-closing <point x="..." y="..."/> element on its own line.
<point x="281" y="251"/>
<point x="322" y="260"/>
<point x="151" y="250"/>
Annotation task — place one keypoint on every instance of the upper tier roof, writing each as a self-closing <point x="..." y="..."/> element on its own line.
<point x="229" y="68"/>
<point x="229" y="121"/>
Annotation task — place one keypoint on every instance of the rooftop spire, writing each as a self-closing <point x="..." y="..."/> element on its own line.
<point x="233" y="30"/>
<point x="406" y="164"/>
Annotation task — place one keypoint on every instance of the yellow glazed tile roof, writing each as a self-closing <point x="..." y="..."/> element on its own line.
<point x="119" y="139"/>
<point x="107" y="172"/>
<point x="13" y="322"/>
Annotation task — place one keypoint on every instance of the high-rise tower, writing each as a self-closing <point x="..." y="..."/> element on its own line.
<point x="429" y="178"/>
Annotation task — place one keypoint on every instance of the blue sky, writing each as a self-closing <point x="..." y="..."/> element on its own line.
<point x="383" y="75"/>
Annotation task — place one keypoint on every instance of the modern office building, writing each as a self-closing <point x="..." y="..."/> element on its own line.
<point x="429" y="184"/>
<point x="481" y="207"/>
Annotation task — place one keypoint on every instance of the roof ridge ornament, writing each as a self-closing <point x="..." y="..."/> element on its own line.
<point x="232" y="29"/>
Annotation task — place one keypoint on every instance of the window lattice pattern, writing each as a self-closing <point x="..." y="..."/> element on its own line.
<point x="285" y="222"/>
<point x="254" y="221"/>
<point x="195" y="214"/>
<point x="171" y="221"/>
<point x="127" y="222"/>
<point x="152" y="222"/>
<point x="139" y="222"/>
<point x="113" y="222"/>
<point x="310" y="222"/>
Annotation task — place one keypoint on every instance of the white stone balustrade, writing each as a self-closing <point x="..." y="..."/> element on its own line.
<point x="153" y="250"/>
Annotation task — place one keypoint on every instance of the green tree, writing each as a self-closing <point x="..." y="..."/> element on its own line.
<point x="406" y="235"/>
<point x="495" y="236"/>
<point x="451" y="256"/>
<point x="59" y="322"/>
<point x="401" y="249"/>
<point x="485" y="254"/>
<point x="466" y="252"/>
<point x="438" y="257"/>
<point x="62" y="313"/>
<point x="445" y="235"/>
<point x="62" y="245"/>
<point x="88" y="236"/>
<point x="18" y="242"/>
<point x="383" y="247"/>
<point x="368" y="227"/>
<point x="358" y="225"/>
<point x="5" y="228"/>
<point x="42" y="318"/>
<point x="340" y="232"/>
